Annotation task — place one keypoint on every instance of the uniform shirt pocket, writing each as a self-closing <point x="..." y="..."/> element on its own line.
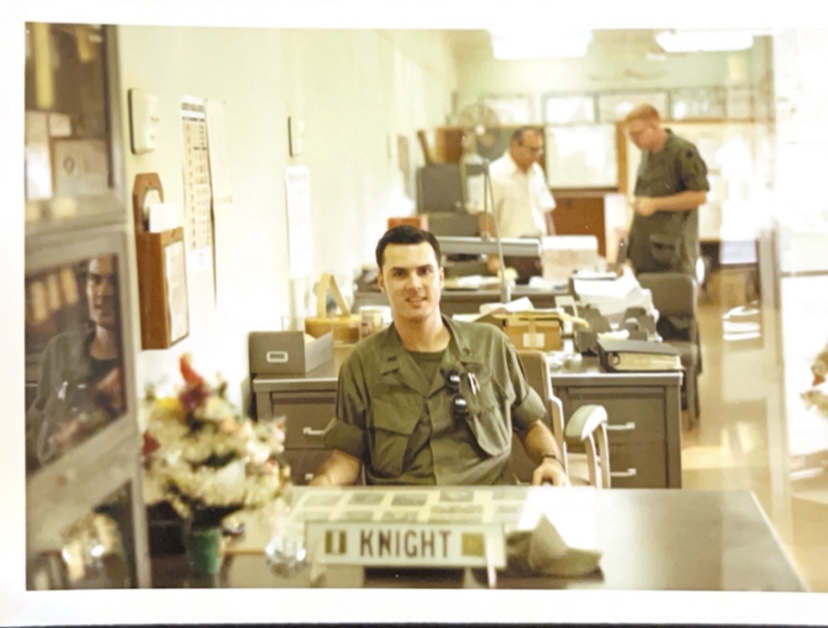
<point x="389" y="435"/>
<point x="486" y="420"/>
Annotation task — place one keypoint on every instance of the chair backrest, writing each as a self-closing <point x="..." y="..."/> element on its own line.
<point x="674" y="294"/>
<point x="588" y="425"/>
<point x="536" y="371"/>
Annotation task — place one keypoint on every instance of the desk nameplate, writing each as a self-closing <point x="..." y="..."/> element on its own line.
<point x="401" y="544"/>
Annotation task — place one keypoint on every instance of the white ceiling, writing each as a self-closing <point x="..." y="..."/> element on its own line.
<point x="604" y="42"/>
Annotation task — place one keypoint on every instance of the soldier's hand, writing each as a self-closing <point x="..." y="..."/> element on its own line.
<point x="644" y="206"/>
<point x="550" y="470"/>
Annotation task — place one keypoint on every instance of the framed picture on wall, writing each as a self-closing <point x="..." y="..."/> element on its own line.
<point x="510" y="109"/>
<point x="613" y="106"/>
<point x="569" y="109"/>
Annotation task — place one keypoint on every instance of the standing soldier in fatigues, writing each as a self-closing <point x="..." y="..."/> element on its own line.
<point x="671" y="184"/>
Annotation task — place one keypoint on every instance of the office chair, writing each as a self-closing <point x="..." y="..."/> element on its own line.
<point x="587" y="426"/>
<point x="674" y="296"/>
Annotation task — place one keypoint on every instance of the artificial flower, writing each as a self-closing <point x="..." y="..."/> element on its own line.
<point x="204" y="459"/>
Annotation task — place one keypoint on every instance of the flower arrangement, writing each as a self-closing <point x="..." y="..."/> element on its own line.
<point x="205" y="460"/>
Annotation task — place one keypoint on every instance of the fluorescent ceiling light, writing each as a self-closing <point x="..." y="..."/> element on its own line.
<point x="537" y="46"/>
<point x="704" y="41"/>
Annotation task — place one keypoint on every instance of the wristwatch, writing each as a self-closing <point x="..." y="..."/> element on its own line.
<point x="554" y="457"/>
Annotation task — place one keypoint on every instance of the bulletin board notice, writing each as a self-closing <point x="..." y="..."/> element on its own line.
<point x="198" y="216"/>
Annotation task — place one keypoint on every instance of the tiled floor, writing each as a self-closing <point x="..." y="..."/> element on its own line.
<point x="755" y="432"/>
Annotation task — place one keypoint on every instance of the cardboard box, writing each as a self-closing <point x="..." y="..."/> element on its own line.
<point x="287" y="352"/>
<point x="418" y="220"/>
<point x="533" y="330"/>
<point x="345" y="328"/>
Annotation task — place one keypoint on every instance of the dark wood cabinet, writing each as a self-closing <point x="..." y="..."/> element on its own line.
<point x="581" y="213"/>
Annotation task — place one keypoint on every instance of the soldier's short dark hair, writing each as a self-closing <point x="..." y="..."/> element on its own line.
<point x="406" y="234"/>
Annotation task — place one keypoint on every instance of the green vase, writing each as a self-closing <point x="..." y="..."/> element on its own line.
<point x="203" y="548"/>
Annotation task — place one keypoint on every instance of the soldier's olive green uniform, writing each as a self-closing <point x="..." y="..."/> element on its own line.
<point x="401" y="426"/>
<point x="668" y="241"/>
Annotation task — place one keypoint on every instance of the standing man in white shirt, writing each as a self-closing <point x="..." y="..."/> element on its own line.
<point x="521" y="198"/>
<point x="521" y="195"/>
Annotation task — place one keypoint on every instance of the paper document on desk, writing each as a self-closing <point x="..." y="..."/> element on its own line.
<point x="595" y="275"/>
<point x="617" y="288"/>
<point x="522" y="304"/>
<point x="613" y="298"/>
<point x="549" y="285"/>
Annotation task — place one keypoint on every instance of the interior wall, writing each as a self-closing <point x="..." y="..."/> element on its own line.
<point x="356" y="90"/>
<point x="802" y="149"/>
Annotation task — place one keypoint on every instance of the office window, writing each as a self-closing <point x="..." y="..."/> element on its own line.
<point x="581" y="156"/>
<point x="697" y="103"/>
<point x="613" y="106"/>
<point x="510" y="110"/>
<point x="569" y="109"/>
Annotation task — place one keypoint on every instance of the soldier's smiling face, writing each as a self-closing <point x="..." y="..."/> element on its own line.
<point x="412" y="279"/>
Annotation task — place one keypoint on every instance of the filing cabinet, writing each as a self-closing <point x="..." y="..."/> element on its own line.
<point x="306" y="402"/>
<point x="644" y="420"/>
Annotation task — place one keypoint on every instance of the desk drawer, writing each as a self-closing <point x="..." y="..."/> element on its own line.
<point x="632" y="418"/>
<point x="638" y="466"/>
<point x="306" y="418"/>
<point x="304" y="463"/>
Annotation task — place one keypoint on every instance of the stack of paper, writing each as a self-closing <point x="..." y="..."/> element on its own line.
<point x="612" y="297"/>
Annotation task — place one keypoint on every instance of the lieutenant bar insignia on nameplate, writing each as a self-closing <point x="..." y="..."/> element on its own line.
<point x="406" y="544"/>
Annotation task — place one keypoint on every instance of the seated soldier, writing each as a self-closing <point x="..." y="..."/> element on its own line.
<point x="430" y="400"/>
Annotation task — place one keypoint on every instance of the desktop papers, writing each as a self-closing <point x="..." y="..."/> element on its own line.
<point x="516" y="508"/>
<point x="612" y="297"/>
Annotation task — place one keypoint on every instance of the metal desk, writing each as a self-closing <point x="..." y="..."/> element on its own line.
<point x="453" y="301"/>
<point x="643" y="408"/>
<point x="644" y="412"/>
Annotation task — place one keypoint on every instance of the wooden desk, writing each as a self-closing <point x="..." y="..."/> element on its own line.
<point x="581" y="213"/>
<point x="649" y="539"/>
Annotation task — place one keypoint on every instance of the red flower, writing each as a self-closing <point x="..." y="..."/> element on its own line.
<point x="195" y="392"/>
<point x="193" y="397"/>
<point x="191" y="377"/>
<point x="149" y="446"/>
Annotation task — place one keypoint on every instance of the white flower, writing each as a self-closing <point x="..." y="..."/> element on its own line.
<point x="216" y="409"/>
<point x="259" y="452"/>
<point x="175" y="471"/>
